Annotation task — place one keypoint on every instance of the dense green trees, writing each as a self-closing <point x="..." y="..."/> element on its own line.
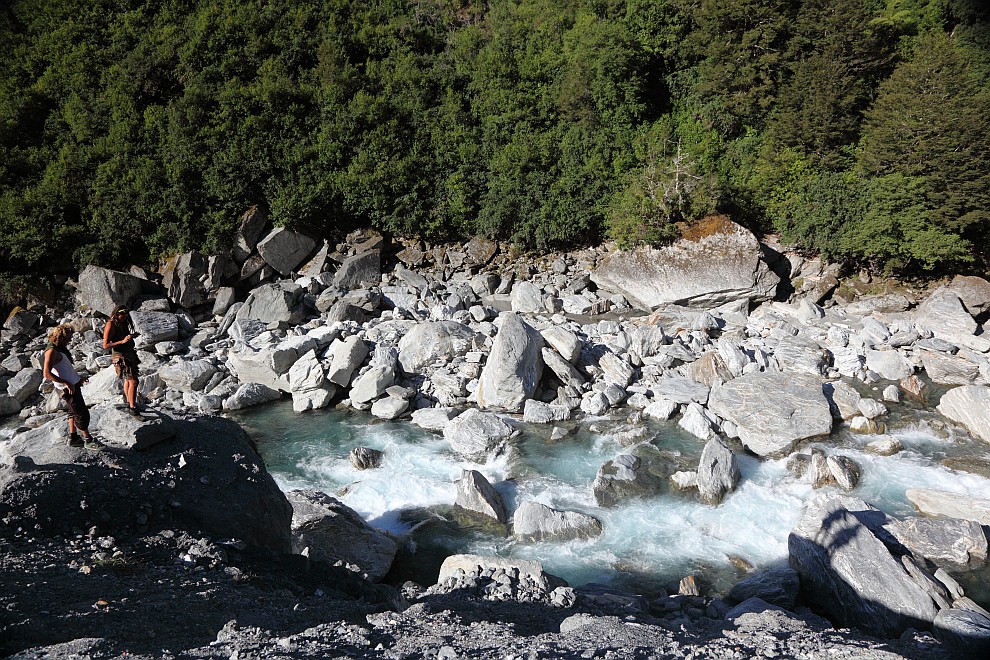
<point x="133" y="129"/>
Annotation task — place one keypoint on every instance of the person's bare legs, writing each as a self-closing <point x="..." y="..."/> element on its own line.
<point x="130" y="391"/>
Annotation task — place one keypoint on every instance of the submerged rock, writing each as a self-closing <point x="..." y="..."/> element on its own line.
<point x="475" y="493"/>
<point x="718" y="471"/>
<point x="477" y="435"/>
<point x="533" y="521"/>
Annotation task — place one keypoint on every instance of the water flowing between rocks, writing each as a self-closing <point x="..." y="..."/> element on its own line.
<point x="647" y="543"/>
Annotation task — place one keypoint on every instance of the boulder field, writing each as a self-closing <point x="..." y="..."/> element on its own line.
<point x="748" y="348"/>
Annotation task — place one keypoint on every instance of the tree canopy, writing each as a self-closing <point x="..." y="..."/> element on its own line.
<point x="136" y="129"/>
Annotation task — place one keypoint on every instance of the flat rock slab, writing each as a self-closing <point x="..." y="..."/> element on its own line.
<point x="772" y="410"/>
<point x="116" y="427"/>
<point x="940" y="503"/>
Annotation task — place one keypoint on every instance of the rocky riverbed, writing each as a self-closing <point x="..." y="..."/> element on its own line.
<point x="175" y="539"/>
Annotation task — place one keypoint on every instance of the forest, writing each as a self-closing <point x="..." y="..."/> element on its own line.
<point x="131" y="130"/>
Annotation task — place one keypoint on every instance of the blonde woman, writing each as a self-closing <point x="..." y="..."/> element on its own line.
<point x="58" y="369"/>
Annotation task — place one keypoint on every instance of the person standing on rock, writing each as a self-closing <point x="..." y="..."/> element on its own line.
<point x="58" y="369"/>
<point x="119" y="338"/>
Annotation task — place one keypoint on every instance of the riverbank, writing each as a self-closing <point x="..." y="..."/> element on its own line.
<point x="752" y="353"/>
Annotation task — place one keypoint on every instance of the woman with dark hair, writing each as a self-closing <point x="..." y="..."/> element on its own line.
<point x="119" y="338"/>
<point x="58" y="369"/>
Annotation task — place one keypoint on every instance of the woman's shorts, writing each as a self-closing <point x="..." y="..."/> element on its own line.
<point x="126" y="365"/>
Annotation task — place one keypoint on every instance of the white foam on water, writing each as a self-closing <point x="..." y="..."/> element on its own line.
<point x="664" y="537"/>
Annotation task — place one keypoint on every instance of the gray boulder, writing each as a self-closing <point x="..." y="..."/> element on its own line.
<point x="949" y="369"/>
<point x="800" y="355"/>
<point x="477" y="435"/>
<point x="960" y="542"/>
<point x="333" y="532"/>
<point x="848" y="572"/>
<point x="533" y="521"/>
<point x="279" y="302"/>
<point x="777" y="586"/>
<point x="718" y="471"/>
<point x="24" y="384"/>
<point x="969" y="406"/>
<point x="250" y="394"/>
<point x="843" y="399"/>
<point x="225" y="297"/>
<point x="155" y="327"/>
<point x="724" y="266"/>
<point x="284" y="249"/>
<point x="563" y="341"/>
<point x="389" y="407"/>
<point x="117" y="428"/>
<point x="950" y="505"/>
<point x="251" y="366"/>
<point x="100" y="289"/>
<point x="771" y="425"/>
<point x="309" y="385"/>
<point x="365" y="458"/>
<point x="514" y="366"/>
<point x="359" y="270"/>
<point x="209" y="480"/>
<point x="434" y="341"/>
<point x="183" y="277"/>
<point x="345" y="355"/>
<point x="681" y="390"/>
<point x="974" y="292"/>
<point x="248" y="231"/>
<point x="527" y="298"/>
<point x="625" y="476"/>
<point x="188" y="376"/>
<point x="20" y="321"/>
<point x="537" y="412"/>
<point x="475" y="493"/>
<point x="944" y="315"/>
<point x="890" y="365"/>
<point x="372" y="383"/>
<point x="561" y="368"/>
<point x="964" y="633"/>
<point x="433" y="419"/>
<point x="532" y="571"/>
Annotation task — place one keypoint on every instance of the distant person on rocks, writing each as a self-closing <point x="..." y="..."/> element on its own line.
<point x="58" y="369"/>
<point x="118" y="336"/>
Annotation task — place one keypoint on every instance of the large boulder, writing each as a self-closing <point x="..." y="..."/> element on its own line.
<point x="188" y="376"/>
<point x="208" y="480"/>
<point x="434" y="341"/>
<point x="456" y="565"/>
<point x="960" y="542"/>
<point x="154" y="327"/>
<point x="475" y="493"/>
<point x="974" y="292"/>
<point x="24" y="383"/>
<point x="968" y="405"/>
<point x="284" y="249"/>
<point x="477" y="435"/>
<point x="848" y="572"/>
<point x="564" y="342"/>
<point x="251" y="366"/>
<point x="332" y="531"/>
<point x="533" y="521"/>
<point x="279" y="302"/>
<point x="100" y="289"/>
<point x="777" y="586"/>
<point x="250" y="394"/>
<point x="514" y="366"/>
<point x="891" y="365"/>
<point x="345" y="355"/>
<point x="184" y="277"/>
<point x="248" y="231"/>
<point x="722" y="266"/>
<point x="527" y="298"/>
<point x="359" y="270"/>
<point x="20" y="321"/>
<point x="309" y="385"/>
<point x="771" y="425"/>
